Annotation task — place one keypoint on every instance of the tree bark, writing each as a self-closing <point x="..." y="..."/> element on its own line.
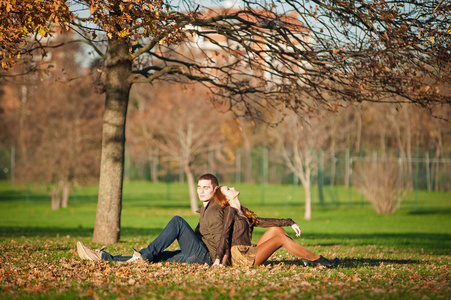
<point x="118" y="84"/>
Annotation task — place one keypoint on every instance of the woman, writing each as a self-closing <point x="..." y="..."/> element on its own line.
<point x="236" y="236"/>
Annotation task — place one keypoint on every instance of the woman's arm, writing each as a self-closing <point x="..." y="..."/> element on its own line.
<point x="269" y="222"/>
<point x="226" y="235"/>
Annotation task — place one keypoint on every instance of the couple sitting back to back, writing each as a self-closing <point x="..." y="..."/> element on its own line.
<point x="223" y="235"/>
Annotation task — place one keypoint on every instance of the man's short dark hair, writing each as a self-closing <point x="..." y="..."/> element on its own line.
<point x="211" y="177"/>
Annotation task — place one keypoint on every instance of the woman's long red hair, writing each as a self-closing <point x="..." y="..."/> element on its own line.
<point x="222" y="201"/>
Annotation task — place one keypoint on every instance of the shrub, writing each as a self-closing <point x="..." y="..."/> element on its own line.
<point x="381" y="184"/>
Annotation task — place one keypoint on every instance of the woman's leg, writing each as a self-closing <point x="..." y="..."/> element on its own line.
<point x="275" y="238"/>
<point x="270" y="233"/>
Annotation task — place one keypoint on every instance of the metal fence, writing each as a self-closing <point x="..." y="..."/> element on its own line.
<point x="424" y="173"/>
<point x="261" y="166"/>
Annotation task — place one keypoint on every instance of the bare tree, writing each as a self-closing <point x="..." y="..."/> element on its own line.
<point x="57" y="118"/>
<point x="141" y="129"/>
<point x="404" y="128"/>
<point x="184" y="125"/>
<point x="298" y="141"/>
<point x="61" y="142"/>
<point x="380" y="182"/>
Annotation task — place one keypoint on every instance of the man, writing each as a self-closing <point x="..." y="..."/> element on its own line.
<point x="197" y="246"/>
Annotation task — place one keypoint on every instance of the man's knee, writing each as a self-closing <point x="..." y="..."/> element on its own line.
<point x="179" y="222"/>
<point x="177" y="219"/>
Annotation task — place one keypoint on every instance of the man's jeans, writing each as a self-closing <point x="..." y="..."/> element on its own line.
<point x="192" y="249"/>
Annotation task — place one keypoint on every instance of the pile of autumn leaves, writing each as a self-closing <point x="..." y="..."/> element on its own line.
<point x="51" y="267"/>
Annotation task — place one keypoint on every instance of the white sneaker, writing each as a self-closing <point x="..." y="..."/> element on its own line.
<point x="87" y="253"/>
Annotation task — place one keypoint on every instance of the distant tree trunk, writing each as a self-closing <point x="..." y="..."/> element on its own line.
<point x="333" y="162"/>
<point x="248" y="178"/>
<point x="304" y="174"/>
<point x="56" y="201"/>
<point x="308" y="203"/>
<point x="56" y="196"/>
<point x="154" y="162"/>
<point x="358" y="131"/>
<point x="382" y="140"/>
<point x="66" y="193"/>
<point x="118" y="84"/>
<point x="22" y="126"/>
<point x="192" y="187"/>
<point x="408" y="134"/>
<point x="211" y="160"/>
<point x="437" y="164"/>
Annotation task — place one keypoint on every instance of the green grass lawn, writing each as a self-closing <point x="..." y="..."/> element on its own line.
<point x="405" y="255"/>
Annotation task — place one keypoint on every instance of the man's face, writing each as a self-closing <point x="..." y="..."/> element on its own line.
<point x="205" y="190"/>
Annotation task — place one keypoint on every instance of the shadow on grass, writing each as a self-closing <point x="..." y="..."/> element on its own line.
<point x="13" y="195"/>
<point x="356" y="263"/>
<point x="73" y="232"/>
<point x="438" y="243"/>
<point x="353" y="263"/>
<point x="22" y="197"/>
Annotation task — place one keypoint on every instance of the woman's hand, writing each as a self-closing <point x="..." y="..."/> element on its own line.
<point x="217" y="263"/>
<point x="296" y="229"/>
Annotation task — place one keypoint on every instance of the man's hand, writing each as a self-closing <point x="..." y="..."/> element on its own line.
<point x="296" y="229"/>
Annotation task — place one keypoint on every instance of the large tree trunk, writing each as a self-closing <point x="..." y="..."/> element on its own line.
<point x="118" y="84"/>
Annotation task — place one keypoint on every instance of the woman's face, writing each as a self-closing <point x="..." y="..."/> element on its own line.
<point x="231" y="195"/>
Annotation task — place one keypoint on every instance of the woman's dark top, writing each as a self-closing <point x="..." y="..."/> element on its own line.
<point x="237" y="229"/>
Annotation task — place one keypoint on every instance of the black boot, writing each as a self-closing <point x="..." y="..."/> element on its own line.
<point x="321" y="261"/>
